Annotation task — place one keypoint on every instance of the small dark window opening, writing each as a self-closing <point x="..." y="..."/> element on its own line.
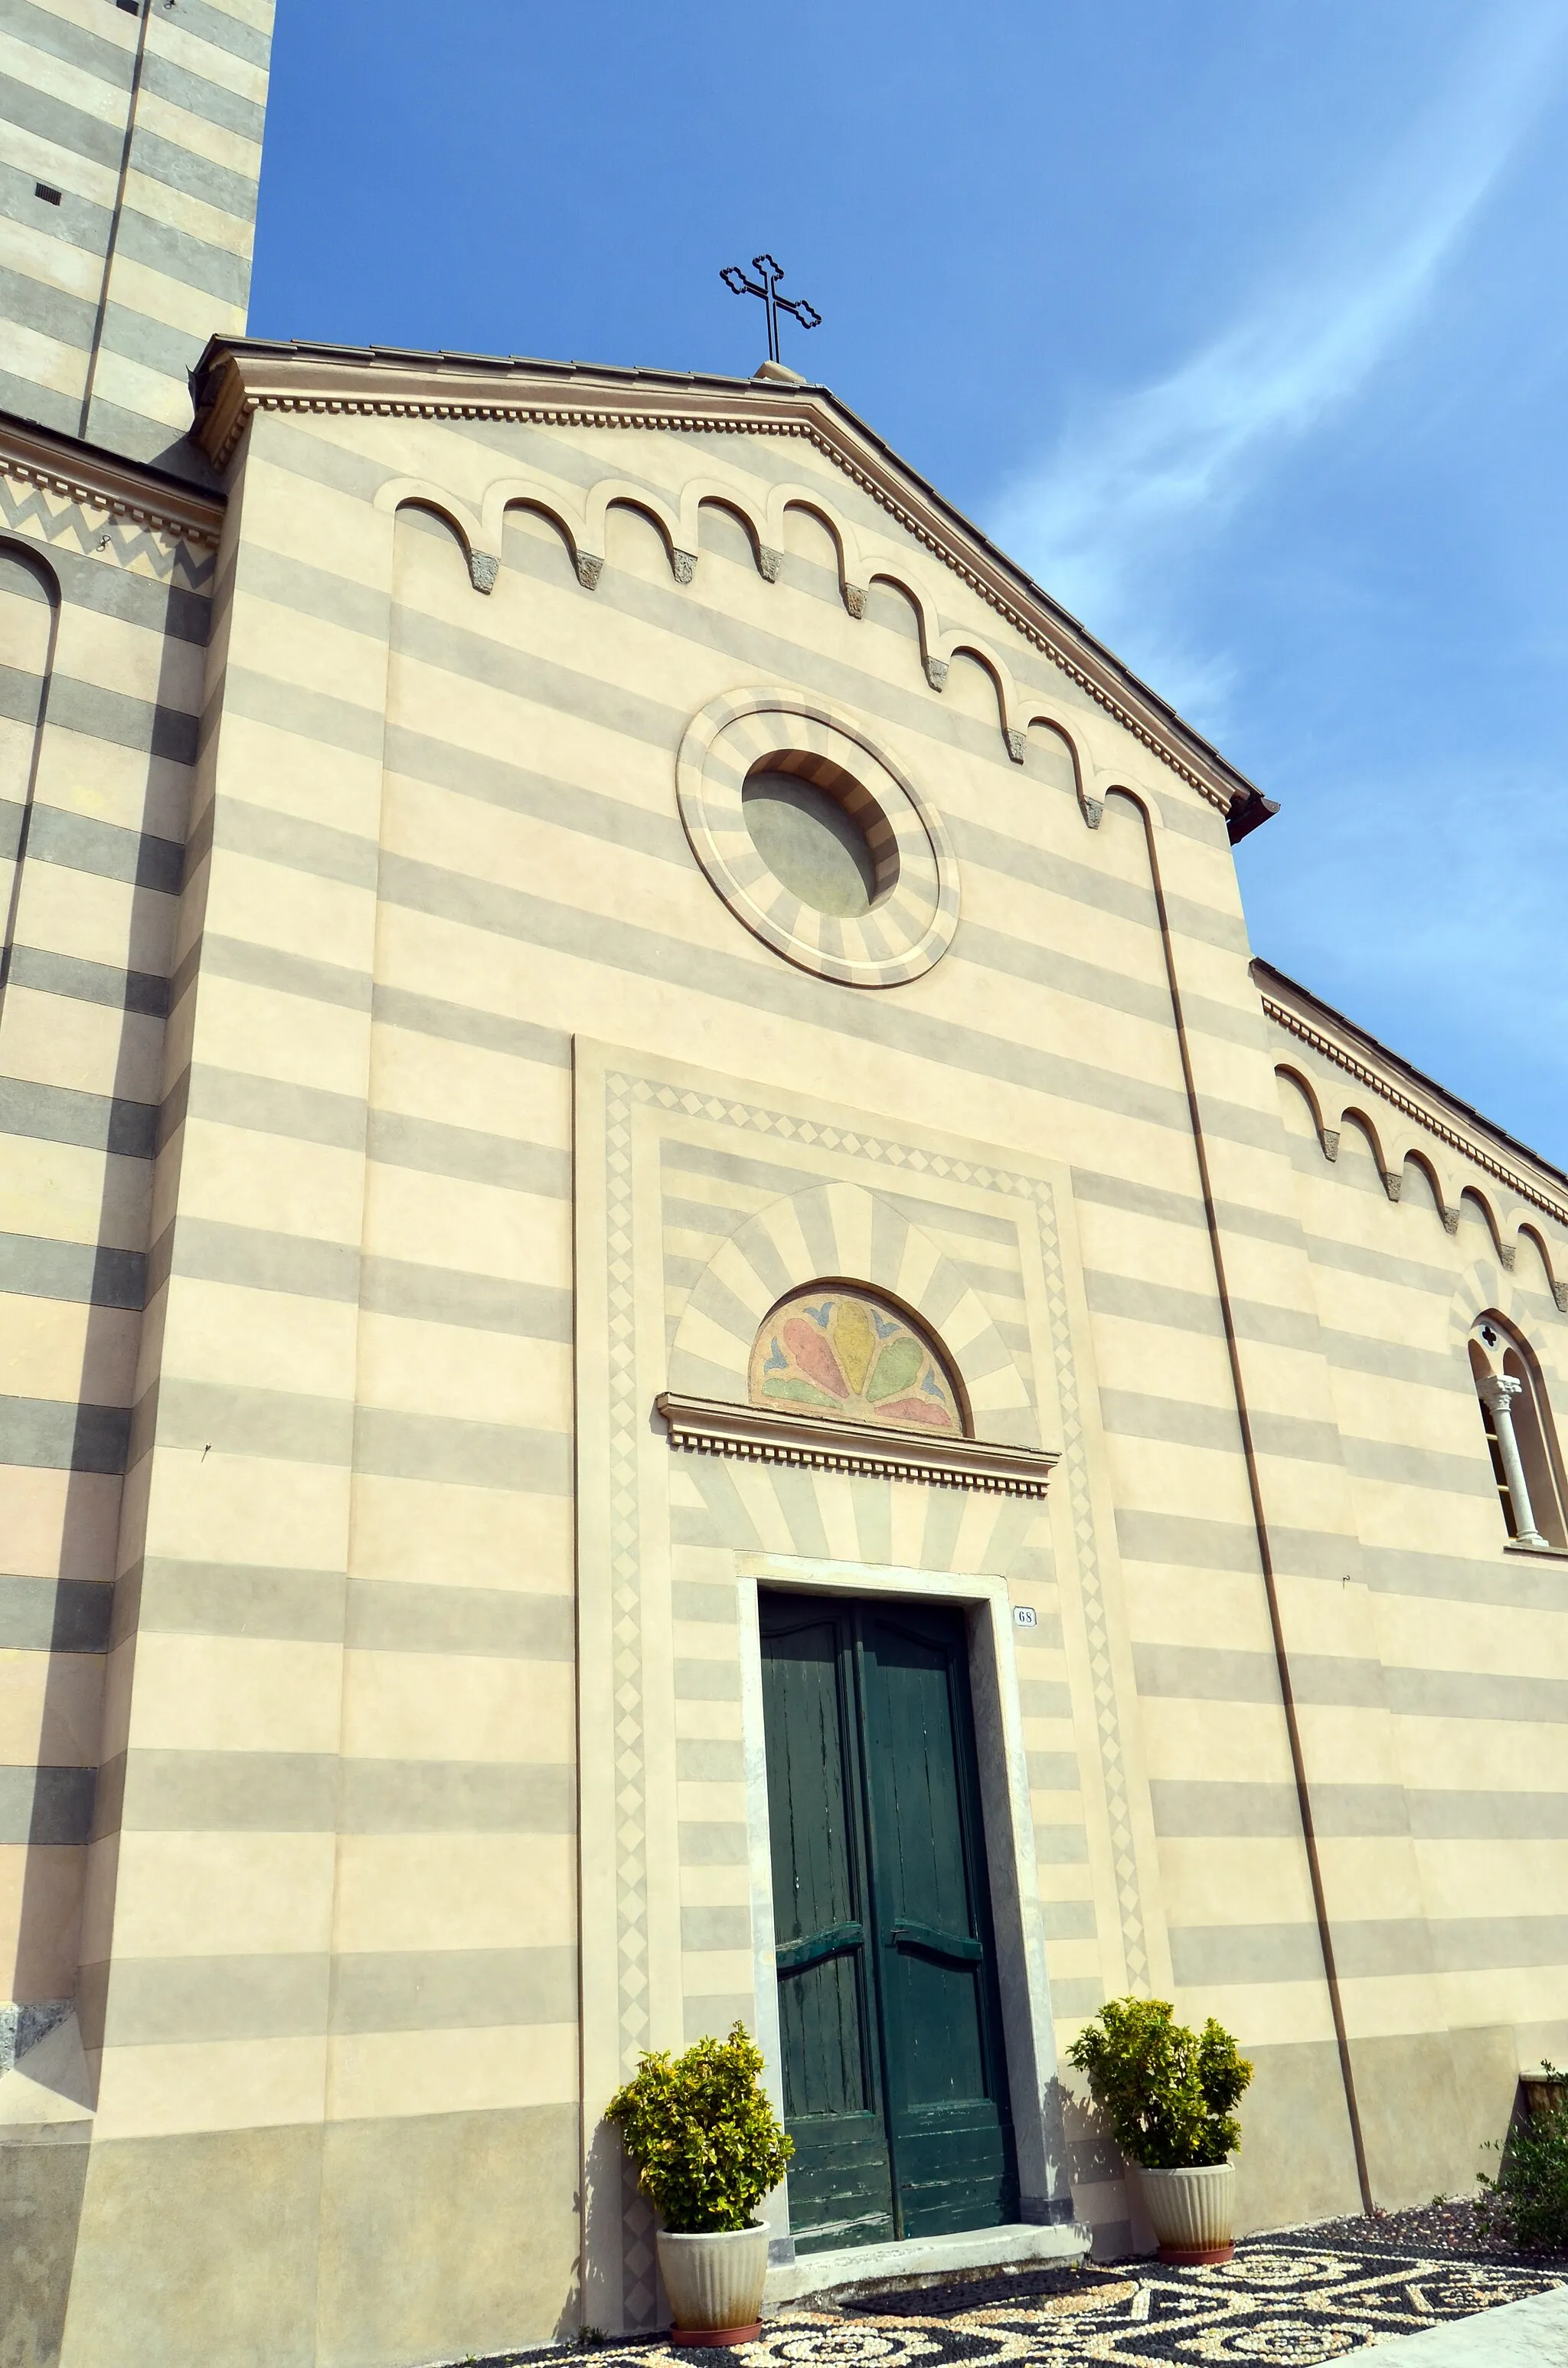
<point x="42" y="190"/>
<point x="131" y="7"/>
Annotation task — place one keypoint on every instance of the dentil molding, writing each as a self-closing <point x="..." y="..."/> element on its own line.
<point x="771" y="1435"/>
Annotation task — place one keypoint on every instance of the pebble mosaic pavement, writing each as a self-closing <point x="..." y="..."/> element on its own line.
<point x="1289" y="2301"/>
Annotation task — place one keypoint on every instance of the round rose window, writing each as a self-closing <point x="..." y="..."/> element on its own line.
<point x="815" y="839"/>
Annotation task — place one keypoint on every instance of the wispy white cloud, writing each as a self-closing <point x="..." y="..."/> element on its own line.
<point x="1171" y="461"/>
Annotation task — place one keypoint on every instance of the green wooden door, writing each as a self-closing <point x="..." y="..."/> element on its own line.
<point x="894" y="2086"/>
<point x="840" y="2181"/>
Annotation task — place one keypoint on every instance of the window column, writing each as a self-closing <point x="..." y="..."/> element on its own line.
<point x="1498" y="1392"/>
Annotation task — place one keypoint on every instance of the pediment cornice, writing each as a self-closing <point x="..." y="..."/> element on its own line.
<point x="239" y="377"/>
<point x="102" y="483"/>
<point x="769" y="1434"/>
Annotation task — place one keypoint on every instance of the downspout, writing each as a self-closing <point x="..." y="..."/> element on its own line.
<point x="1260" y="1518"/>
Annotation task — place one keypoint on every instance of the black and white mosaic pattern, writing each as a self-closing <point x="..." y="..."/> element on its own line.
<point x="1288" y="2303"/>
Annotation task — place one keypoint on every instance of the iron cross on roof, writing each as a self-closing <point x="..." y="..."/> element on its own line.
<point x="737" y="283"/>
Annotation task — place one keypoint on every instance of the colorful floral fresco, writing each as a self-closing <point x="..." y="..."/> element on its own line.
<point x="836" y="1352"/>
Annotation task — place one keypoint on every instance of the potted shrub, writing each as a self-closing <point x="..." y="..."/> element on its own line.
<point x="1167" y="2094"/>
<point x="708" y="2147"/>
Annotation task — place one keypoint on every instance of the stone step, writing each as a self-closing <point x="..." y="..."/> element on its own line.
<point x="1018" y="2245"/>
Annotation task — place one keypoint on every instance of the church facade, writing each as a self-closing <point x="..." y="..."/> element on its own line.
<point x="688" y="1339"/>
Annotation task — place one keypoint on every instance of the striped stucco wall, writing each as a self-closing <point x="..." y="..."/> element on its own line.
<point x="334" y="1936"/>
<point x="361" y="1751"/>
<point x="103" y="627"/>
<point x="1465" y="1649"/>
<point x="128" y="195"/>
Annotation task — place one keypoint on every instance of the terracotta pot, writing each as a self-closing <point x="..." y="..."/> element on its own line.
<point x="1192" y="2211"/>
<point x="714" y="2283"/>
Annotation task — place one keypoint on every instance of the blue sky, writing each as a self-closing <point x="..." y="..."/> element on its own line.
<point x="1244" y="324"/>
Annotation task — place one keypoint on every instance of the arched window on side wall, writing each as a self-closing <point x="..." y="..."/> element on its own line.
<point x="1520" y="1436"/>
<point x="836" y="1349"/>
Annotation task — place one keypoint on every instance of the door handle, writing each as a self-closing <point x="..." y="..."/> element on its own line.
<point x="810" y="1951"/>
<point x="958" y="1949"/>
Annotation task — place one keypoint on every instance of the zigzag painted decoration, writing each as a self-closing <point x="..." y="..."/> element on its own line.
<point x="27" y="509"/>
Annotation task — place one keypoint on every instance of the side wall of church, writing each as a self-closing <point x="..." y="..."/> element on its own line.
<point x="1415" y="1232"/>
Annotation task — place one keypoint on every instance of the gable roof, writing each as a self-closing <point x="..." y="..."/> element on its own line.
<point x="237" y="376"/>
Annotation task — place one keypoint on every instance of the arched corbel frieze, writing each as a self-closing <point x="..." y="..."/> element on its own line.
<point x="1505" y="1249"/>
<point x="466" y="523"/>
<point x="565" y="512"/>
<point x="1445" y="1182"/>
<point x="900" y="580"/>
<point x="1393" y="1177"/>
<point x="1412" y="1157"/>
<point x="854" y="568"/>
<point x="1112" y="793"/>
<point x="554" y="515"/>
<point x="961" y="644"/>
<point x="1558" y="1288"/>
<point x="624" y="493"/>
<point x="939" y="648"/>
<point x="1328" y="1136"/>
<point x="718" y="492"/>
<point x="1029" y="716"/>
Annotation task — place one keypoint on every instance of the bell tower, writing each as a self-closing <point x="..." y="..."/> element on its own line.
<point x="134" y="131"/>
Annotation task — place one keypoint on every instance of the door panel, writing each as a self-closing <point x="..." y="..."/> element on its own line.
<point x="840" y="2181"/>
<point x="891" y="2033"/>
<point x="947" y="2097"/>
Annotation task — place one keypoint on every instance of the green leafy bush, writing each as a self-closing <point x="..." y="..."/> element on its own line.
<point x="707" y="2144"/>
<point x="1528" y="2200"/>
<point x="1167" y="2093"/>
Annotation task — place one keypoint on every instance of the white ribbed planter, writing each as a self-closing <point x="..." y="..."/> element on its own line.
<point x="714" y="2283"/>
<point x="1193" y="2212"/>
